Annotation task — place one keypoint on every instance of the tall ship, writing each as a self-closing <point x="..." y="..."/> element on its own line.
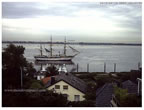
<point x="57" y="57"/>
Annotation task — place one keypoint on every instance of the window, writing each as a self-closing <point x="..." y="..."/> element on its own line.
<point x="65" y="87"/>
<point x="76" y="97"/>
<point x="57" y="86"/>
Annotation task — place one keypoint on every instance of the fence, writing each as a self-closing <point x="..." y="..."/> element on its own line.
<point x="104" y="67"/>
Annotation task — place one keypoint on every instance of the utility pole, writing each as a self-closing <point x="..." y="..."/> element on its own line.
<point x="77" y="67"/>
<point x="88" y="67"/>
<point x="104" y="67"/>
<point x="138" y="65"/>
<point x="41" y="49"/>
<point x="65" y="47"/>
<point x="114" y="67"/>
<point x="21" y="78"/>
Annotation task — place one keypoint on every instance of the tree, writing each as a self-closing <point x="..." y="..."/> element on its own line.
<point x="120" y="93"/>
<point x="51" y="70"/>
<point x="125" y="99"/>
<point x="30" y="70"/>
<point x="85" y="103"/>
<point x="133" y="75"/>
<point x="36" y="85"/>
<point x="12" y="60"/>
<point x="33" y="99"/>
<point x="12" y="63"/>
<point x="132" y="100"/>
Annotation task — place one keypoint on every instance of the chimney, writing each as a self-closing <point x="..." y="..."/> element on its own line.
<point x="52" y="80"/>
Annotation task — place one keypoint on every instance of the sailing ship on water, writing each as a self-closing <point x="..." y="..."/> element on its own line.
<point x="57" y="57"/>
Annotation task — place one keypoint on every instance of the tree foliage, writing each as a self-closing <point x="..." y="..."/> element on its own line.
<point x="30" y="70"/>
<point x="85" y="103"/>
<point x="133" y="75"/>
<point x="125" y="99"/>
<point x="33" y="99"/>
<point x="120" y="93"/>
<point x="35" y="84"/>
<point x="13" y="62"/>
<point x="51" y="71"/>
<point x="90" y="96"/>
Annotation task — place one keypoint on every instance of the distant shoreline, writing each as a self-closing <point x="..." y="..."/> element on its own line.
<point x="73" y="43"/>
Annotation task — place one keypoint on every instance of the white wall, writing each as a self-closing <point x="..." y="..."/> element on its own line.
<point x="39" y="77"/>
<point x="70" y="92"/>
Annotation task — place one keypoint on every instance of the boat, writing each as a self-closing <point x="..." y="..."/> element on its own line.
<point x="58" y="57"/>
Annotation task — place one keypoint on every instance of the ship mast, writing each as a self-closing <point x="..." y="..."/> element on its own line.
<point x="51" y="47"/>
<point x="41" y="49"/>
<point x="65" y="47"/>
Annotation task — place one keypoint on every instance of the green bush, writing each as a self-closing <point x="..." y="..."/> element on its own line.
<point x="33" y="99"/>
<point x="82" y="104"/>
<point x="125" y="99"/>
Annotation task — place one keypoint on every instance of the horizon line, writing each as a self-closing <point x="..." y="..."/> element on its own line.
<point x="81" y="43"/>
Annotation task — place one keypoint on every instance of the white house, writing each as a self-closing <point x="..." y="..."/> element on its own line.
<point x="70" y="86"/>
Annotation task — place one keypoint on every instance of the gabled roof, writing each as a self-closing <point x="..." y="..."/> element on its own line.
<point x="104" y="95"/>
<point x="71" y="80"/>
<point x="130" y="86"/>
<point x="45" y="80"/>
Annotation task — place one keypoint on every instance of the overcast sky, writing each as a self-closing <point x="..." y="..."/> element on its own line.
<point x="86" y="22"/>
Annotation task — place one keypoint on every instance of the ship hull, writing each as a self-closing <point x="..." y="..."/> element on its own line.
<point x="68" y="58"/>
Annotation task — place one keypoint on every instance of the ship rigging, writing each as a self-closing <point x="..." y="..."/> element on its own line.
<point x="52" y="57"/>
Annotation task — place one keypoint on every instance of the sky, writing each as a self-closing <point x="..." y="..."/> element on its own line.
<point x="77" y="21"/>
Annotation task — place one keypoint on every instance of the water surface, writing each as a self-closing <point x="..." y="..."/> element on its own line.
<point x="126" y="57"/>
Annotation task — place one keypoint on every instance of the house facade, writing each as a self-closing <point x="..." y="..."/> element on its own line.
<point x="69" y="91"/>
<point x="69" y="85"/>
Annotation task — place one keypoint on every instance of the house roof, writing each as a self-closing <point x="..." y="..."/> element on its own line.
<point x="71" y="80"/>
<point x="130" y="86"/>
<point x="45" y="80"/>
<point x="104" y="95"/>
